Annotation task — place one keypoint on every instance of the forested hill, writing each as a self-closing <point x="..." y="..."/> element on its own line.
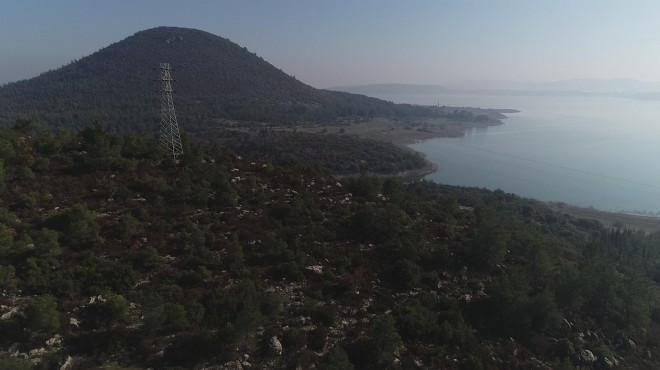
<point x="113" y="258"/>
<point x="215" y="78"/>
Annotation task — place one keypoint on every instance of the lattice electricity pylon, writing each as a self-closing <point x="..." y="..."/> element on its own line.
<point x="170" y="139"/>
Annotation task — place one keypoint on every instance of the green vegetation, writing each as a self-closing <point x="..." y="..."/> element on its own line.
<point x="215" y="79"/>
<point x="340" y="155"/>
<point x="223" y="93"/>
<point x="120" y="259"/>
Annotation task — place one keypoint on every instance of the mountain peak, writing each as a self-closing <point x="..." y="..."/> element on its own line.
<point x="215" y="78"/>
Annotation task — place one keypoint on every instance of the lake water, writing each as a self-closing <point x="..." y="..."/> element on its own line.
<point x="601" y="152"/>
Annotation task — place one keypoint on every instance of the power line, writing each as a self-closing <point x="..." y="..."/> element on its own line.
<point x="170" y="139"/>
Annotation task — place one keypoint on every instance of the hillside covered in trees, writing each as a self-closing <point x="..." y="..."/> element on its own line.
<point x="338" y="155"/>
<point x="215" y="79"/>
<point x="113" y="257"/>
<point x="224" y="93"/>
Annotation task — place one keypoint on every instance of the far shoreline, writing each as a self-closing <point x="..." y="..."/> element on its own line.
<point x="609" y="219"/>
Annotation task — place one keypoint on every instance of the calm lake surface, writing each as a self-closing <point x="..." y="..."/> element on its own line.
<point x="602" y="152"/>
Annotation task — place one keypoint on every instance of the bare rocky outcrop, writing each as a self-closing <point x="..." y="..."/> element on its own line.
<point x="586" y="357"/>
<point x="275" y="346"/>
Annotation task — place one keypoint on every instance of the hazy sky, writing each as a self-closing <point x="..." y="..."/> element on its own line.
<point x="345" y="42"/>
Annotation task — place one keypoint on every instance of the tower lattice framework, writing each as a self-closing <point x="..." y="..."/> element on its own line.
<point x="170" y="139"/>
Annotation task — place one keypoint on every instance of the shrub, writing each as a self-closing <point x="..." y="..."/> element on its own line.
<point x="77" y="226"/>
<point x="337" y="359"/>
<point x="42" y="315"/>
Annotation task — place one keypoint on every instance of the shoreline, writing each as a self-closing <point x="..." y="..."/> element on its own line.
<point x="428" y="168"/>
<point x="431" y="167"/>
<point x="456" y="122"/>
<point x="403" y="133"/>
<point x="609" y="219"/>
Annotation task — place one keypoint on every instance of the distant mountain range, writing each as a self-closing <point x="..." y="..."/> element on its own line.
<point x="403" y="89"/>
<point x="597" y="85"/>
<point x="618" y="87"/>
<point x="215" y="79"/>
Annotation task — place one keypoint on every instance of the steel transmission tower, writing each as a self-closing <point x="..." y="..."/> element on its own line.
<point x="170" y="139"/>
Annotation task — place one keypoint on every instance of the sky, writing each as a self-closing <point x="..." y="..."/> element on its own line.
<point x="328" y="43"/>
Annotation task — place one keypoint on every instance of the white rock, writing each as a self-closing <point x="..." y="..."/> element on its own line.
<point x="317" y="269"/>
<point x="9" y="314"/>
<point x="37" y="352"/>
<point x="587" y="357"/>
<point x="57" y="339"/>
<point x="275" y="346"/>
<point x="67" y="364"/>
